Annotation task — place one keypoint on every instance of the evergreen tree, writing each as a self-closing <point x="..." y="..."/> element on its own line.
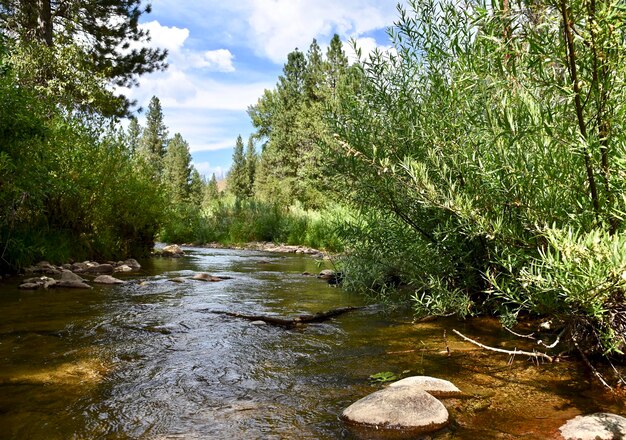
<point x="336" y="64"/>
<point x="196" y="188"/>
<point x="262" y="115"/>
<point x="238" y="180"/>
<point x="100" y="34"/>
<point x="314" y="74"/>
<point x="177" y="169"/>
<point x="154" y="139"/>
<point x="291" y="82"/>
<point x="251" y="160"/>
<point x="133" y="135"/>
<point x="211" y="192"/>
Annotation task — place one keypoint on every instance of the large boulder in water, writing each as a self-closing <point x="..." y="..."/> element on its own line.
<point x="173" y="250"/>
<point x="99" y="269"/>
<point x="398" y="410"/>
<point x="598" y="426"/>
<point x="132" y="263"/>
<point x="432" y="385"/>
<point x="68" y="275"/>
<point x="326" y="274"/>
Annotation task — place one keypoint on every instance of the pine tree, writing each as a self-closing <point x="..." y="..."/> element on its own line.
<point x="238" y="180"/>
<point x="336" y="64"/>
<point x="291" y="82"/>
<point x="106" y="34"/>
<point x="314" y="74"/>
<point x="154" y="139"/>
<point x="196" y="188"/>
<point x="177" y="169"/>
<point x="133" y="135"/>
<point x="211" y="192"/>
<point x="251" y="160"/>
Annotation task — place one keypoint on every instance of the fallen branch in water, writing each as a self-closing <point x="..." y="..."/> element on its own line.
<point x="534" y="354"/>
<point x="594" y="371"/>
<point x="290" y="322"/>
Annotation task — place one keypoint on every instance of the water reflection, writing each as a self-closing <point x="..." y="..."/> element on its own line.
<point x="149" y="359"/>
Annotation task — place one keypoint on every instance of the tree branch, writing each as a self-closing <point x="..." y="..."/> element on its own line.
<point x="514" y="352"/>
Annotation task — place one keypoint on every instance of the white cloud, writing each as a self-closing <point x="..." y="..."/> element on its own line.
<point x="278" y="26"/>
<point x="367" y="46"/>
<point x="206" y="170"/>
<point x="182" y="89"/>
<point x="173" y="39"/>
<point x="273" y="28"/>
<point x="166" y="37"/>
<point x="215" y="146"/>
<point x="220" y="60"/>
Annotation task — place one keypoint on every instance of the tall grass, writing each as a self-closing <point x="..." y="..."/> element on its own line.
<point x="233" y="221"/>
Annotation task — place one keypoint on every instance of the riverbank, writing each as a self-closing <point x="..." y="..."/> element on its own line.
<point x="267" y="246"/>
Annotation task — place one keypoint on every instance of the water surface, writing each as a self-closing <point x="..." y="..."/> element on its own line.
<point x="151" y="360"/>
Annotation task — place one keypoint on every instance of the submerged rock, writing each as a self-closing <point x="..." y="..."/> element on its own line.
<point x="30" y="286"/>
<point x="72" y="284"/>
<point x="123" y="268"/>
<point x="68" y="275"/>
<point x="100" y="269"/>
<point x="598" y="426"/>
<point x="209" y="277"/>
<point x="132" y="263"/>
<point x="399" y="409"/>
<point x="177" y="280"/>
<point x="326" y="274"/>
<point x="107" y="279"/>
<point x="173" y="250"/>
<point x="432" y="385"/>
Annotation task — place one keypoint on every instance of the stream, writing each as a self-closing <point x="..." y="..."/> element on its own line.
<point x="150" y="360"/>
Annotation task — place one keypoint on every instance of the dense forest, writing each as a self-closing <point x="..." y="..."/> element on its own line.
<point x="477" y="167"/>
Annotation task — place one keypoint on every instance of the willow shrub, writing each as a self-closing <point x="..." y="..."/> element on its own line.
<point x="476" y="145"/>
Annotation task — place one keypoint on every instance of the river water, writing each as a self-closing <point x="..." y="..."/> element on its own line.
<point x="151" y="360"/>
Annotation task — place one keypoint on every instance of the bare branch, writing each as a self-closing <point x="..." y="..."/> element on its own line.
<point x="514" y="352"/>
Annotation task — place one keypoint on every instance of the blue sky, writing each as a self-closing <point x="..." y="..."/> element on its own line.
<point x="222" y="55"/>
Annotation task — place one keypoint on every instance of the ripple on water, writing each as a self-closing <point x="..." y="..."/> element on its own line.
<point x="149" y="360"/>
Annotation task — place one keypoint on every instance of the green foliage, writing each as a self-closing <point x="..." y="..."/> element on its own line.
<point x="482" y="128"/>
<point x="239" y="175"/>
<point x="211" y="193"/>
<point x="177" y="170"/>
<point x="153" y="145"/>
<point x="70" y="187"/>
<point x="291" y="122"/>
<point x="383" y="377"/>
<point x="64" y="43"/>
<point x="234" y="221"/>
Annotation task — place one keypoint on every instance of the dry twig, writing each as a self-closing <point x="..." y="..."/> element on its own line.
<point x="514" y="352"/>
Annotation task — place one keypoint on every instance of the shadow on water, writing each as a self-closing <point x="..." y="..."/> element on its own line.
<point x="149" y="360"/>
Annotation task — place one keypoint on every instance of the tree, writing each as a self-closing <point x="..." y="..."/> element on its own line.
<point x="491" y="151"/>
<point x="133" y="135"/>
<point x="177" y="170"/>
<point x="314" y="74"/>
<point x="196" y="188"/>
<point x="154" y="139"/>
<point x="211" y="192"/>
<point x="251" y="160"/>
<point x="291" y="82"/>
<point x="336" y="63"/>
<point x="238" y="177"/>
<point x="104" y="34"/>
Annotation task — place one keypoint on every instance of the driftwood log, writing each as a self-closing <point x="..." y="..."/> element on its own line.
<point x="290" y="322"/>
